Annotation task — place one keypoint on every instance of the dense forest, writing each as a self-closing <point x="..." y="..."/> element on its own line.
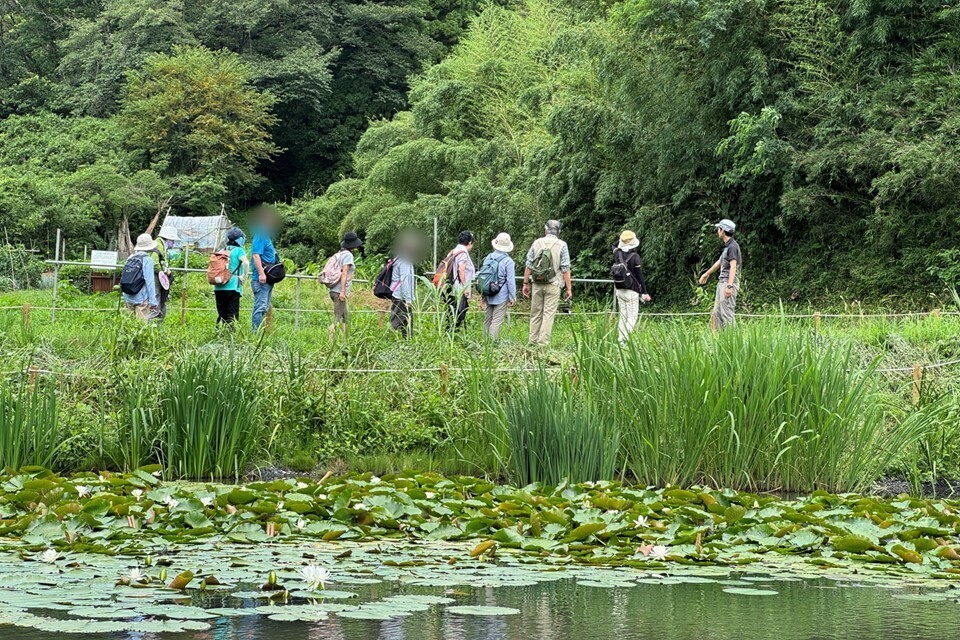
<point x="828" y="130"/>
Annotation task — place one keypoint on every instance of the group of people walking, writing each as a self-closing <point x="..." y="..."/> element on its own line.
<point x="546" y="279"/>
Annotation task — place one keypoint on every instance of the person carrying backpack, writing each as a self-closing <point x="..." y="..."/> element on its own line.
<point x="228" y="293"/>
<point x="458" y="271"/>
<point x="339" y="271"/>
<point x="166" y="239"/>
<point x="547" y="271"/>
<point x="137" y="283"/>
<point x="264" y="258"/>
<point x="403" y="283"/>
<point x="497" y="283"/>
<point x="629" y="283"/>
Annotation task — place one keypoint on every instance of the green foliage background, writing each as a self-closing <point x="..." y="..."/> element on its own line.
<point x="828" y="130"/>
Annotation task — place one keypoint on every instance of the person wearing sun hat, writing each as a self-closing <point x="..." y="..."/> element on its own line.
<point x="167" y="237"/>
<point x="729" y="265"/>
<point x="340" y="291"/>
<point x="497" y="281"/>
<point x="629" y="283"/>
<point x="137" y="281"/>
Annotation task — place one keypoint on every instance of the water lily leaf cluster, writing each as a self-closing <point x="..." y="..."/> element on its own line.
<point x="597" y="523"/>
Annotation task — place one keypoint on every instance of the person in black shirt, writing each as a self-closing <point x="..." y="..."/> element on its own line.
<point x="729" y="265"/>
<point x="631" y="287"/>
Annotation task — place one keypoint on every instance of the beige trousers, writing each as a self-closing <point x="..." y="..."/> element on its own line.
<point x="142" y="310"/>
<point x="628" y="304"/>
<point x="724" y="307"/>
<point x="493" y="318"/>
<point x="543" y="309"/>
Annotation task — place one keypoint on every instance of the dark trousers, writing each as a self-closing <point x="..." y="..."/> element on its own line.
<point x="228" y="306"/>
<point x="401" y="317"/>
<point x="458" y="309"/>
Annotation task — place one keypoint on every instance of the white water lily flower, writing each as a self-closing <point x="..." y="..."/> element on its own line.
<point x="659" y="552"/>
<point x="206" y="501"/>
<point x="49" y="556"/>
<point x="137" y="493"/>
<point x="301" y="523"/>
<point x="640" y="522"/>
<point x="157" y="473"/>
<point x="302" y="485"/>
<point x="82" y="491"/>
<point x="430" y="495"/>
<point x="280" y="506"/>
<point x="375" y="480"/>
<point x="171" y="502"/>
<point x="136" y="575"/>
<point x="315" y="576"/>
<point x="321" y="496"/>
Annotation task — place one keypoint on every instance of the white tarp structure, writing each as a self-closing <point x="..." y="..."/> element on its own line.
<point x="202" y="233"/>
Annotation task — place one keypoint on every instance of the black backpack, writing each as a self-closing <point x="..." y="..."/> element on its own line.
<point x="131" y="278"/>
<point x="620" y="272"/>
<point x="275" y="271"/>
<point x="381" y="284"/>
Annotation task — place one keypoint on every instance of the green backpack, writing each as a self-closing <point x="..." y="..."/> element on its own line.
<point x="542" y="269"/>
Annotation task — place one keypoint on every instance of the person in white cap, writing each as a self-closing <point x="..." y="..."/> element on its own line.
<point x="167" y="238"/>
<point x="137" y="283"/>
<point x="497" y="283"/>
<point x="628" y="282"/>
<point x="729" y="265"/>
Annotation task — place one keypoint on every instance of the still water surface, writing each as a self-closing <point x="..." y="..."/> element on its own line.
<point x="564" y="610"/>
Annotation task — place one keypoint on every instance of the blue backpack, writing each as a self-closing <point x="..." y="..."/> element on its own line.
<point x="131" y="278"/>
<point x="488" y="282"/>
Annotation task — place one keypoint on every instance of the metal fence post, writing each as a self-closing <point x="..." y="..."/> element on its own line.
<point x="56" y="279"/>
<point x="296" y="307"/>
<point x="183" y="290"/>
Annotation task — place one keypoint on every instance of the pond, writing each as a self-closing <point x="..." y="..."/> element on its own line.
<point x="400" y="591"/>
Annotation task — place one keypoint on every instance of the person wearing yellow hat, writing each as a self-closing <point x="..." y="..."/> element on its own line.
<point x="729" y="265"/>
<point x="628" y="282"/>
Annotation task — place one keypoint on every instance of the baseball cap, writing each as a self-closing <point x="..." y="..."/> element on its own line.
<point x="727" y="225"/>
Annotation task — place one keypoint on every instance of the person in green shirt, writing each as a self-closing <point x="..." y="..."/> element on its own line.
<point x="166" y="239"/>
<point x="228" y="294"/>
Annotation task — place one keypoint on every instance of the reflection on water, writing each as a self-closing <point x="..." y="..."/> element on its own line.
<point x="563" y="610"/>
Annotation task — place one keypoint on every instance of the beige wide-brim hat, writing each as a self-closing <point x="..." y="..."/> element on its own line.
<point x="628" y="240"/>
<point x="503" y="243"/>
<point x="145" y="243"/>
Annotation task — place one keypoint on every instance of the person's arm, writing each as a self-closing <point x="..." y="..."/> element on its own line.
<point x="407" y="283"/>
<point x="638" y="274"/>
<point x="565" y="269"/>
<point x="526" y="282"/>
<point x="344" y="271"/>
<point x="709" y="272"/>
<point x="149" y="284"/>
<point x="728" y="291"/>
<point x="568" y="281"/>
<point x="511" y="273"/>
<point x="462" y="275"/>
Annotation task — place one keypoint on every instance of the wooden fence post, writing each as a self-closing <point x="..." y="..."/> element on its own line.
<point x="917" y="379"/>
<point x="25" y="317"/>
<point x="269" y="318"/>
<point x="296" y="310"/>
<point x="816" y="320"/>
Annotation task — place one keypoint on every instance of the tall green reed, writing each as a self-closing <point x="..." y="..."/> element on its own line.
<point x="761" y="407"/>
<point x="559" y="432"/>
<point x="209" y="406"/>
<point x="137" y="422"/>
<point x="29" y="425"/>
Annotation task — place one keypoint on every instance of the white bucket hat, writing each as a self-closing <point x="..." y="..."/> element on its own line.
<point x="628" y="240"/>
<point x="145" y="243"/>
<point x="169" y="233"/>
<point x="503" y="243"/>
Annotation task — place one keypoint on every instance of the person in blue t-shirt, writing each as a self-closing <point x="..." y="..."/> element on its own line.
<point x="264" y="254"/>
<point x="228" y="294"/>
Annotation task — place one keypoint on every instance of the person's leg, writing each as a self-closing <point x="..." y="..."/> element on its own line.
<point x="462" y="305"/>
<point x="144" y="312"/>
<point x="400" y="318"/>
<point x="261" y="302"/>
<point x="164" y="296"/>
<point x="536" y="313"/>
<point x="622" y="332"/>
<point x="629" y="303"/>
<point x="221" y="299"/>
<point x="339" y="311"/>
<point x="232" y="307"/>
<point x="551" y="299"/>
<point x="716" y="320"/>
<point x="726" y="308"/>
<point x="496" y="320"/>
<point x="488" y="319"/>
